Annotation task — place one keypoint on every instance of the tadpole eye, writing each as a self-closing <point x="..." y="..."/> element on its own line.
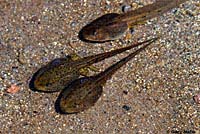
<point x="94" y="32"/>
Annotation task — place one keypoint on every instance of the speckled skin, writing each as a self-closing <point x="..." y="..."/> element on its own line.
<point x="55" y="75"/>
<point x="84" y="92"/>
<point x="113" y="26"/>
<point x="60" y="72"/>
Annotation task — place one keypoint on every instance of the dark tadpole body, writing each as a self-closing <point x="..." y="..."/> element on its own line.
<point x="82" y="93"/>
<point x="112" y="26"/>
<point x="60" y="72"/>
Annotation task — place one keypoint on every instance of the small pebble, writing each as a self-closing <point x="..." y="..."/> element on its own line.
<point x="125" y="92"/>
<point x="127" y="108"/>
<point x="126" y="8"/>
<point x="13" y="89"/>
<point x="73" y="24"/>
<point x="197" y="98"/>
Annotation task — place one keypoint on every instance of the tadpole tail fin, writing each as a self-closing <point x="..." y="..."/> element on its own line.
<point x="107" y="74"/>
<point x="150" y="11"/>
<point x="87" y="61"/>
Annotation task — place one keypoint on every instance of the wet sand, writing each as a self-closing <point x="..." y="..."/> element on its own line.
<point x="153" y="93"/>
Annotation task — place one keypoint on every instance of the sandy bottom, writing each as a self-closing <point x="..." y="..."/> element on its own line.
<point x="152" y="93"/>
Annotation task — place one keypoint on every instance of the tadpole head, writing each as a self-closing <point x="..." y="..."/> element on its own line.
<point x="111" y="31"/>
<point x="94" y="34"/>
<point x="80" y="95"/>
<point x="38" y="82"/>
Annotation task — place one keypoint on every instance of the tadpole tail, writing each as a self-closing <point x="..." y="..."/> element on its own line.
<point x="149" y="11"/>
<point x="107" y="74"/>
<point x="87" y="61"/>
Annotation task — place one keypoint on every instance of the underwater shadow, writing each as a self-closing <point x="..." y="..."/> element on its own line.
<point x="31" y="83"/>
<point x="32" y="86"/>
<point x="57" y="102"/>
